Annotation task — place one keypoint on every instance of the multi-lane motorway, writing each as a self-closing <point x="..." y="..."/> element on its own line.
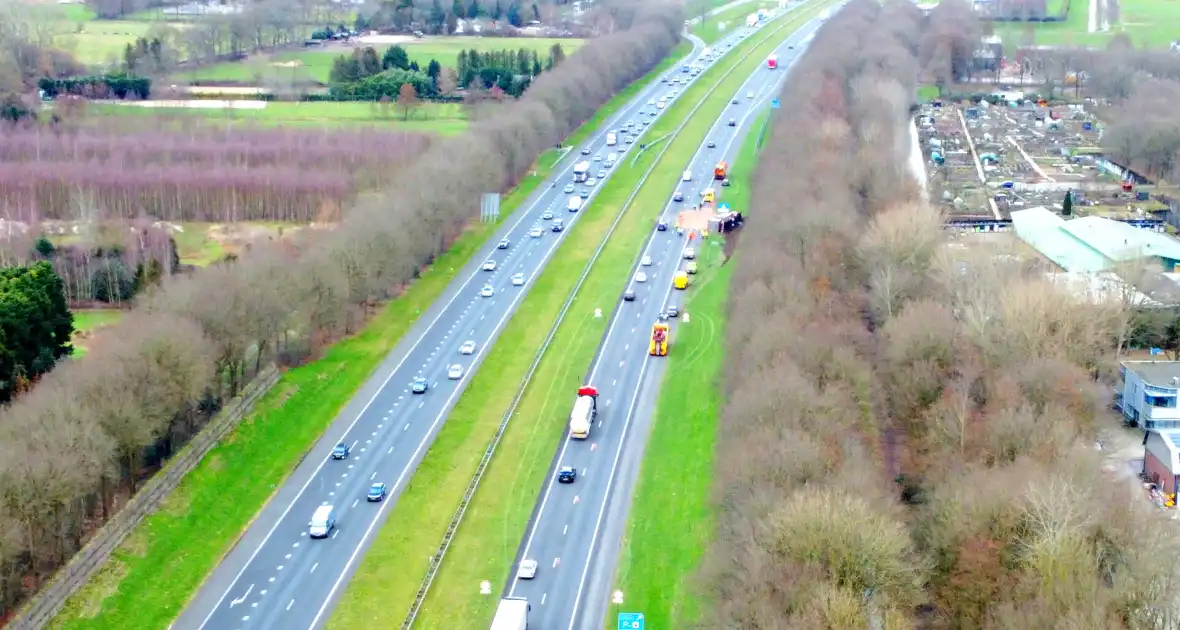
<point x="576" y="528"/>
<point x="276" y="576"/>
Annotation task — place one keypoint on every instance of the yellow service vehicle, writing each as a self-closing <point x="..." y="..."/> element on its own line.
<point x="659" y="340"/>
<point x="680" y="280"/>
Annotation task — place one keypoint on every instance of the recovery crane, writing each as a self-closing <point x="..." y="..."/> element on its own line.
<point x="659" y="340"/>
<point x="584" y="413"/>
<point x="720" y="170"/>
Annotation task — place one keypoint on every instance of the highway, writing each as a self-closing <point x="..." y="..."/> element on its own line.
<point x="576" y="528"/>
<point x="276" y="577"/>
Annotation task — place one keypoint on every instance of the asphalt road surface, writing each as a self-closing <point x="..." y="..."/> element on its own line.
<point x="576" y="528"/>
<point x="276" y="576"/>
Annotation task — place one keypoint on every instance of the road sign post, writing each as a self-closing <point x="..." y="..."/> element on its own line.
<point x="630" y="621"/>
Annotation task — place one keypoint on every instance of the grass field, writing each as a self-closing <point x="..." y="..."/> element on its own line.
<point x="1154" y="23"/>
<point x="667" y="532"/>
<point x="496" y="519"/>
<point x="316" y="65"/>
<point x="441" y="118"/>
<point x="146" y="583"/>
<point x="87" y="322"/>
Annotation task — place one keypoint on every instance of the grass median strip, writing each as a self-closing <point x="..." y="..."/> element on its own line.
<point x="159" y="567"/>
<point x="668" y="531"/>
<point x="495" y="522"/>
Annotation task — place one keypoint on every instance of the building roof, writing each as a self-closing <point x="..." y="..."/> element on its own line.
<point x="1170" y="439"/>
<point x="1120" y="241"/>
<point x="1043" y="230"/>
<point x="1157" y="373"/>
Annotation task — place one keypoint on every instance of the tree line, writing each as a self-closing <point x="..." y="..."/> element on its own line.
<point x="908" y="434"/>
<point x="93" y="428"/>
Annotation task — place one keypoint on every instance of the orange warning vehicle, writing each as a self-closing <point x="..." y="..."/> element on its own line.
<point x="720" y="170"/>
<point x="659" y="340"/>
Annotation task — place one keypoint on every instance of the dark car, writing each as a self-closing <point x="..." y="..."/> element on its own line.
<point x="419" y="386"/>
<point x="732" y="122"/>
<point x="679" y="196"/>
<point x="558" y="226"/>
<point x="712" y="145"/>
<point x="377" y="491"/>
<point x="567" y="474"/>
<point x="341" y="451"/>
<point x="734" y="101"/>
<point x="673" y="310"/>
<point x="628" y="296"/>
<point x="662" y="226"/>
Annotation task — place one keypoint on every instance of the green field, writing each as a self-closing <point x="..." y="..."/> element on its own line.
<point x="667" y="532"/>
<point x="87" y="321"/>
<point x="147" y="583"/>
<point x="440" y="118"/>
<point x="495" y="522"/>
<point x="1154" y="23"/>
<point x="316" y="65"/>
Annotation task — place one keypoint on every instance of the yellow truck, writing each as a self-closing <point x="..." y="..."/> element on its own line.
<point x="680" y="280"/>
<point x="659" y="340"/>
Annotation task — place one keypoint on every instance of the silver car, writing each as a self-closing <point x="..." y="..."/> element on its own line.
<point x="455" y="372"/>
<point x="468" y="347"/>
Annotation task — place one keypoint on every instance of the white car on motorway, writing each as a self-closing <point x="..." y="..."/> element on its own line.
<point x="641" y="277"/>
<point x="527" y="570"/>
<point x="592" y="181"/>
<point x="487" y="291"/>
<point x="686" y="176"/>
<point x="536" y="232"/>
<point x="518" y="280"/>
<point x="489" y="265"/>
<point x="690" y="253"/>
<point x="455" y="372"/>
<point x="468" y="347"/>
<point x="645" y="261"/>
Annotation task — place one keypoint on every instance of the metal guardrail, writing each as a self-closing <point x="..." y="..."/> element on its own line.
<point x="40" y="610"/>
<point x="457" y="519"/>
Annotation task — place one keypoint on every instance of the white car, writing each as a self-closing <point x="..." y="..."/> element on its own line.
<point x="749" y="95"/>
<point x="468" y="347"/>
<point x="487" y="291"/>
<point x="690" y="253"/>
<point x="641" y="277"/>
<point x="598" y="158"/>
<point x="569" y="188"/>
<point x="601" y="174"/>
<point x="645" y="261"/>
<point x="687" y="176"/>
<point x="455" y="372"/>
<point x="527" y="570"/>
<point x="661" y="105"/>
<point x="592" y="181"/>
<point x="518" y="280"/>
<point x="489" y="265"/>
<point x="536" y="232"/>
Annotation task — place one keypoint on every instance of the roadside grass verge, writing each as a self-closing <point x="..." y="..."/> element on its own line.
<point x="668" y="532"/>
<point x="157" y="569"/>
<point x="486" y="544"/>
<point x="714" y="27"/>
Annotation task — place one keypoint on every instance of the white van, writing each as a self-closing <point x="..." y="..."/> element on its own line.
<point x="322" y="522"/>
<point x="611" y="139"/>
<point x="575" y="204"/>
<point x="610" y="159"/>
<point x="687" y="176"/>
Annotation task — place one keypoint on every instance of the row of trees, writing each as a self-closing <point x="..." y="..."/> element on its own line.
<point x="92" y="429"/>
<point x="908" y="435"/>
<point x="199" y="174"/>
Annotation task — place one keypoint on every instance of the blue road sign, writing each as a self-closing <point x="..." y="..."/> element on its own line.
<point x="724" y="207"/>
<point x="630" y="621"/>
<point x="774" y="104"/>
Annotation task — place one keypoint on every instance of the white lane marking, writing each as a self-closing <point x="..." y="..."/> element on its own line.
<point x="290" y="604"/>
<point x="564" y="530"/>
<point x="314" y="567"/>
<point x="355" y="502"/>
<point x="242" y="598"/>
<point x="543" y="596"/>
<point x="407" y="427"/>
